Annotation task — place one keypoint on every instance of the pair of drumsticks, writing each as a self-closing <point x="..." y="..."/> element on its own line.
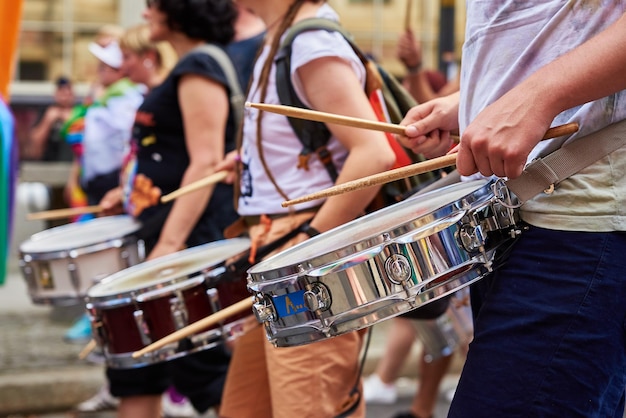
<point x="403" y="172"/>
<point x="376" y="179"/>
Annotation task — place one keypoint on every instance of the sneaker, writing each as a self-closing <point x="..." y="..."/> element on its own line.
<point x="101" y="401"/>
<point x="174" y="405"/>
<point x="377" y="392"/>
<point x="80" y="332"/>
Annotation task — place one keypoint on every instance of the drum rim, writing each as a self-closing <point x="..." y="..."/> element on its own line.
<point x="123" y="297"/>
<point x="73" y="252"/>
<point x="259" y="278"/>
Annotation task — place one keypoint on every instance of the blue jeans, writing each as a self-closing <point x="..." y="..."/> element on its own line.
<point x="550" y="331"/>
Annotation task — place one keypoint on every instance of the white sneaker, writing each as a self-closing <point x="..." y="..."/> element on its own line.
<point x="176" y="409"/>
<point x="378" y="392"/>
<point x="101" y="401"/>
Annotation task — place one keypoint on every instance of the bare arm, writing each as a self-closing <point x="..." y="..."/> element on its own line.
<point x="331" y="86"/>
<point x="39" y="133"/>
<point x="204" y="104"/>
<point x="501" y="137"/>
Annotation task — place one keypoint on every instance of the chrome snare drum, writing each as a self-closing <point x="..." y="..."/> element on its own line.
<point x="61" y="263"/>
<point x="384" y="263"/>
<point x="135" y="307"/>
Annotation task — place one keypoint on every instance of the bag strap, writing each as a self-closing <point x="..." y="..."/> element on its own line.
<point x="236" y="96"/>
<point x="314" y="136"/>
<point x="544" y="173"/>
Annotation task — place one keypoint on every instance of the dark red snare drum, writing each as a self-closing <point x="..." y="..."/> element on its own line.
<point x="144" y="303"/>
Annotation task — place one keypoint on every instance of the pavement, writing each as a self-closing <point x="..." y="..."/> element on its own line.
<point x="42" y="376"/>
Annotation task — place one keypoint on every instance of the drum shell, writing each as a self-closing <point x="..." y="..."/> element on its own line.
<point x="380" y="276"/>
<point x="63" y="275"/>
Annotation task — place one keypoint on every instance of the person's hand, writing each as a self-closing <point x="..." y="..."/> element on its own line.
<point x="500" y="138"/>
<point x="429" y="126"/>
<point x="52" y="114"/>
<point x="229" y="163"/>
<point x="112" y="202"/>
<point x="409" y="50"/>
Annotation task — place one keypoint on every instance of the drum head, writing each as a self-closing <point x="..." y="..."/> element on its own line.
<point x="80" y="234"/>
<point x="366" y="232"/>
<point x="169" y="269"/>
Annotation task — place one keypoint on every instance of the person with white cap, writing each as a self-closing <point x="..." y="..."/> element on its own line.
<point x="108" y="123"/>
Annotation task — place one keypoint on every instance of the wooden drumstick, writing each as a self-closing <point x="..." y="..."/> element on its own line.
<point x="91" y="345"/>
<point x="408" y="171"/>
<point x="196" y="185"/>
<point x="296" y="112"/>
<point x="197" y="326"/>
<point x="63" y="213"/>
<point x="407" y="16"/>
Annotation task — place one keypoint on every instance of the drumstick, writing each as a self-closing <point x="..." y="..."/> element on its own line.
<point x="408" y="171"/>
<point x="196" y="185"/>
<point x="87" y="349"/>
<point x="297" y="112"/>
<point x="63" y="213"/>
<point x="197" y="326"/>
<point x="407" y="16"/>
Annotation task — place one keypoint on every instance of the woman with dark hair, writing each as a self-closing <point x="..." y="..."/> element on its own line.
<point x="316" y="380"/>
<point x="184" y="127"/>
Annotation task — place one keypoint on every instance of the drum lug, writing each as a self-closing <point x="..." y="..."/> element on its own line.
<point x="142" y="327"/>
<point x="28" y="272"/>
<point x="214" y="299"/>
<point x="317" y="298"/>
<point x="263" y="309"/>
<point x="74" y="278"/>
<point x="179" y="311"/>
<point x="471" y="237"/>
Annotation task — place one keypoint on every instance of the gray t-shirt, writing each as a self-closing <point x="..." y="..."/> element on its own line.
<point x="525" y="36"/>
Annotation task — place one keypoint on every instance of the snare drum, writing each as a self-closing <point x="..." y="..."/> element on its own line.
<point x="135" y="307"/>
<point x="451" y="330"/>
<point x="61" y="263"/>
<point x="384" y="263"/>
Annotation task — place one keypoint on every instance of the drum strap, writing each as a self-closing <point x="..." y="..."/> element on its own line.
<point x="243" y="263"/>
<point x="545" y="173"/>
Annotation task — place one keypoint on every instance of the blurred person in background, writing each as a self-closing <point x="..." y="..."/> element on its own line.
<point x="46" y="142"/>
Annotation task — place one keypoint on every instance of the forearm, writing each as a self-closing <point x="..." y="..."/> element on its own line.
<point x="186" y="211"/>
<point x="343" y="208"/>
<point x="418" y="85"/>
<point x="592" y="71"/>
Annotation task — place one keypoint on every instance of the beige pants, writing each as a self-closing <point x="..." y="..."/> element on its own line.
<point x="312" y="380"/>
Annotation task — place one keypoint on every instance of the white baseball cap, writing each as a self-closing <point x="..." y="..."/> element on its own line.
<point x="111" y="54"/>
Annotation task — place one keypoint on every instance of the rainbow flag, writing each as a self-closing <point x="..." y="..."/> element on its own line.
<point x="8" y="181"/>
<point x="10" y="20"/>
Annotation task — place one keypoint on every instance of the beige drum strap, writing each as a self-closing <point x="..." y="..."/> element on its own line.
<point x="546" y="172"/>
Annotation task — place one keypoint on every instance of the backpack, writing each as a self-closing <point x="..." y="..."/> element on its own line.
<point x="388" y="97"/>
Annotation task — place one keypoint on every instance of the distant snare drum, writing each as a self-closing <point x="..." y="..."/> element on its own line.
<point x="61" y="263"/>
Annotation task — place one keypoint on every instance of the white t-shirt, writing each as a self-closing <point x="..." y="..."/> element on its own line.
<point x="506" y="41"/>
<point x="108" y="129"/>
<point x="280" y="144"/>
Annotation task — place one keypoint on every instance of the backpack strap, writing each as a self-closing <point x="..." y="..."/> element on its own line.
<point x="314" y="136"/>
<point x="236" y="96"/>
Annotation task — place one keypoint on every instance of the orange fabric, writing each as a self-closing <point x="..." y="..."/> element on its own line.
<point x="10" y="18"/>
<point x="378" y="104"/>
<point x="309" y="381"/>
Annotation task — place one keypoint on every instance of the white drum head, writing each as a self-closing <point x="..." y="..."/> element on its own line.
<point x="80" y="234"/>
<point x="374" y="224"/>
<point x="163" y="270"/>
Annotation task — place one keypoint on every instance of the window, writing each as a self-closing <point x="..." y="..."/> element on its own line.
<point x="55" y="34"/>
